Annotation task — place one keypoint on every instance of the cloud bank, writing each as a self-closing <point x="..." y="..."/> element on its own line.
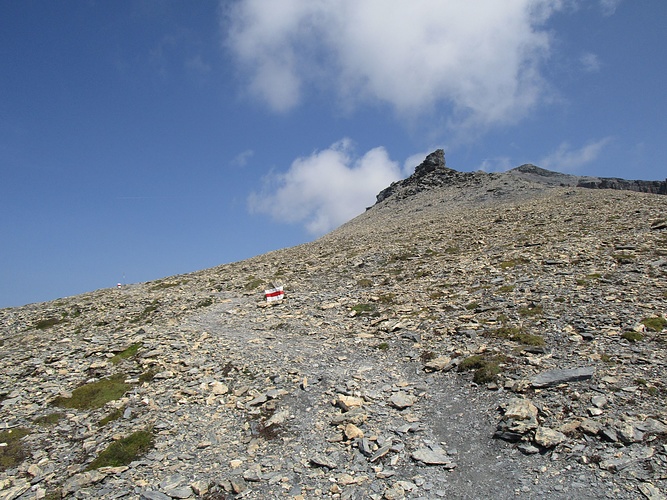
<point x="327" y="188"/>
<point x="567" y="158"/>
<point x="482" y="59"/>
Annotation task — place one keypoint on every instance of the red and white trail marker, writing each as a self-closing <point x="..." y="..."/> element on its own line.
<point x="274" y="294"/>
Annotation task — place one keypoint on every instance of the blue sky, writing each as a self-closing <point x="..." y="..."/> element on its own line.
<point x="142" y="139"/>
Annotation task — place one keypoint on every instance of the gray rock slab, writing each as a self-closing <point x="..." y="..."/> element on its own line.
<point x="561" y="376"/>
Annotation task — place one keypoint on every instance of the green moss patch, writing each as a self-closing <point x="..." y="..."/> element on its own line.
<point x="530" y="311"/>
<point x="252" y="283"/>
<point x="508" y="264"/>
<point x="204" y="302"/>
<point x="50" y="419"/>
<point x="13" y="453"/>
<point x="148" y="310"/>
<point x="363" y="308"/>
<point x="632" y="336"/>
<point x="95" y="394"/>
<point x="165" y="284"/>
<point x="124" y="451"/>
<point x="131" y="351"/>
<point x="588" y="279"/>
<point x="114" y="415"/>
<point x="45" y="323"/>
<point x="516" y="335"/>
<point x="486" y="368"/>
<point x="656" y="324"/>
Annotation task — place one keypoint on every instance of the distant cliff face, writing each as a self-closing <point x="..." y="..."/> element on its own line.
<point x="433" y="173"/>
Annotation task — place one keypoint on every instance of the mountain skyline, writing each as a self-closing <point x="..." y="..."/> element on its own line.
<point x="145" y="139"/>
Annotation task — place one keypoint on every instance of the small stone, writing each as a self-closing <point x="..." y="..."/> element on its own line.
<point x="78" y="481"/>
<point x="365" y="447"/>
<point x="218" y="388"/>
<point x="528" y="449"/>
<point x="353" y="432"/>
<point x="396" y="492"/>
<point x="322" y="461"/>
<point x="200" y="487"/>
<point x="253" y="474"/>
<point x="277" y="418"/>
<point x="650" y="491"/>
<point x="381" y="452"/>
<point x="345" y="479"/>
<point x="401" y="400"/>
<point x="154" y="495"/>
<point x="180" y="492"/>
<point x="431" y="457"/>
<point x="238" y="485"/>
<point x="599" y="401"/>
<point x="347" y="403"/>
<point x="442" y="363"/>
<point x="548" y="438"/>
<point x="259" y="400"/>
<point x="355" y="416"/>
<point x="609" y="434"/>
<point x="590" y="426"/>
<point x="171" y="482"/>
<point x="628" y="434"/>
<point x="520" y="415"/>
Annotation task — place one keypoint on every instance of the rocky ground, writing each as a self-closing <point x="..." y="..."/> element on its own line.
<point x="482" y="335"/>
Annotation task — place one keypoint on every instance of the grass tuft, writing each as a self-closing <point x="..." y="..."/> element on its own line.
<point x="632" y="336"/>
<point x="127" y="353"/>
<point x="508" y="264"/>
<point x="43" y="324"/>
<point x="13" y="452"/>
<point x="114" y="415"/>
<point x="124" y="451"/>
<point x="656" y="324"/>
<point x="95" y="394"/>
<point x="363" y="308"/>
<point x="530" y="311"/>
<point x="486" y="368"/>
<point x="252" y="283"/>
<point x="50" y="419"/>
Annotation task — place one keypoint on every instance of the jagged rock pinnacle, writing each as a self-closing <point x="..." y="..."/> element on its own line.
<point x="434" y="161"/>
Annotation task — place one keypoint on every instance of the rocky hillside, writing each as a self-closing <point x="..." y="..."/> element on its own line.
<point x="470" y="335"/>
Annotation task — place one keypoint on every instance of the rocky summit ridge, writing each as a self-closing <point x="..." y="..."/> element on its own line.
<point x="470" y="335"/>
<point x="433" y="173"/>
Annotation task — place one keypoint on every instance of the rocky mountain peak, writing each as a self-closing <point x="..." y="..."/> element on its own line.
<point x="433" y="174"/>
<point x="434" y="162"/>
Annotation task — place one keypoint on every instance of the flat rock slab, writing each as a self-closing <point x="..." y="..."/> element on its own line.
<point x="431" y="457"/>
<point x="561" y="376"/>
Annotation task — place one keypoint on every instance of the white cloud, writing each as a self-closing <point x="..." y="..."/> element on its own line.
<point x="566" y="158"/>
<point x="590" y="62"/>
<point x="609" y="6"/>
<point x="327" y="188"/>
<point x="241" y="159"/>
<point x="499" y="164"/>
<point x="481" y="58"/>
